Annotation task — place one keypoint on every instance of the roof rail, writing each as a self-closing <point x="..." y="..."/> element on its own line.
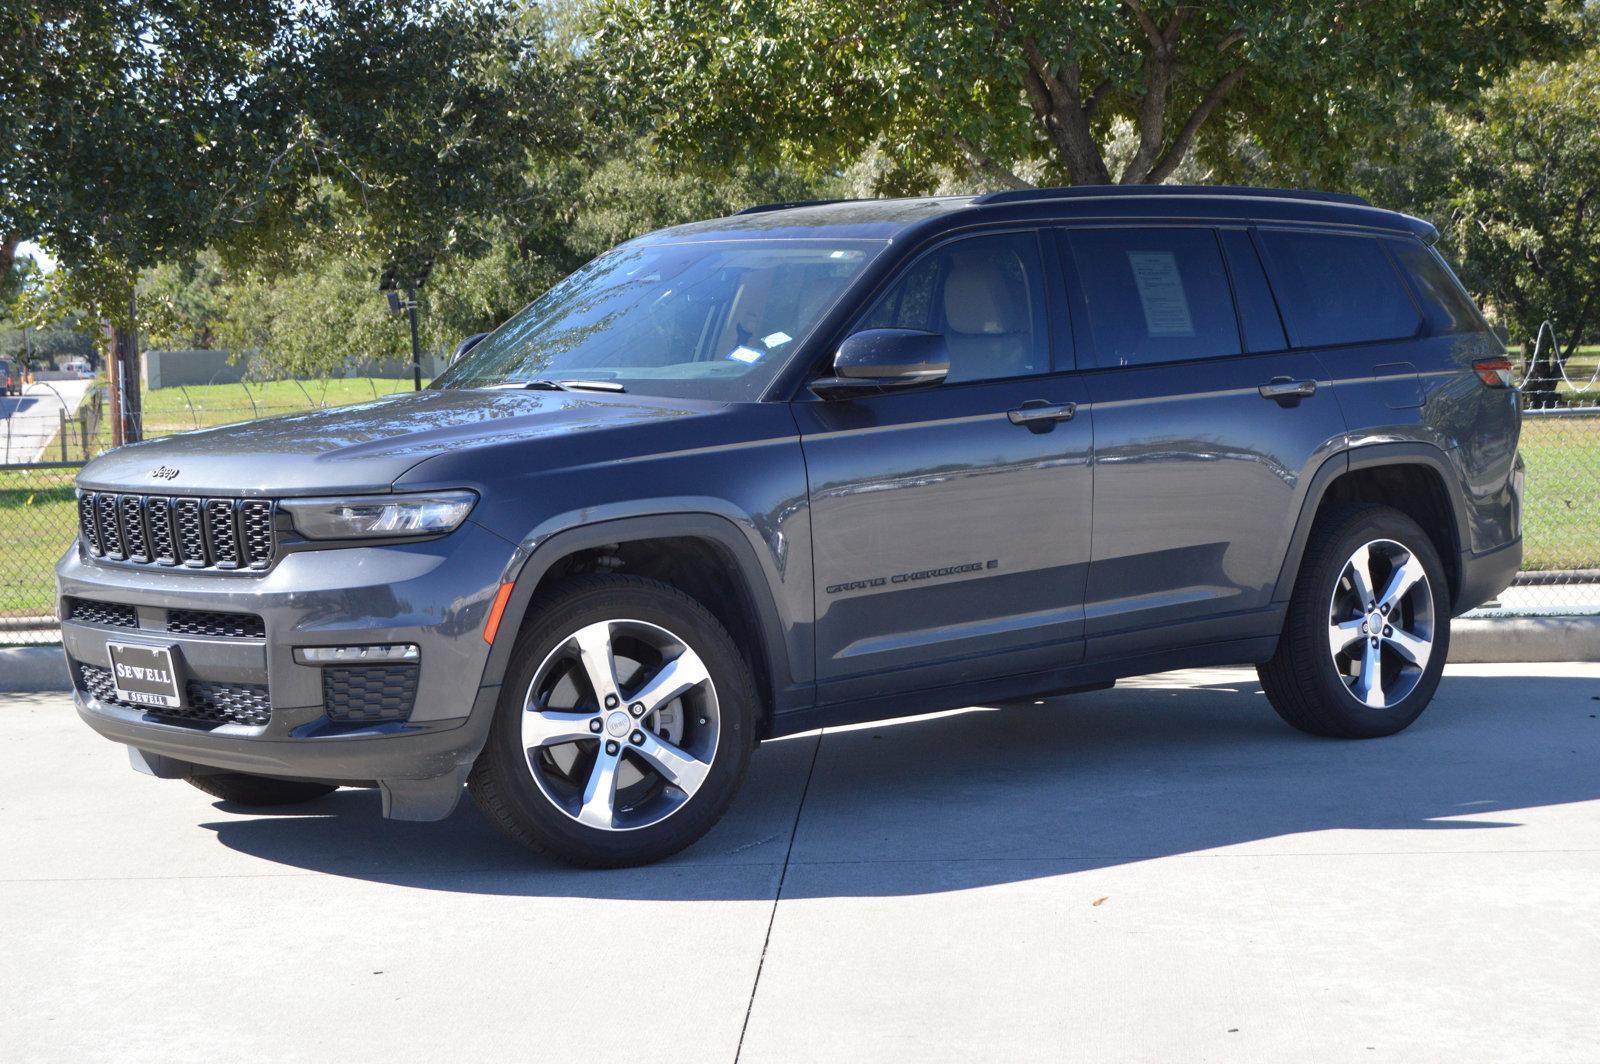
<point x="1025" y="195"/>
<point x="763" y="208"/>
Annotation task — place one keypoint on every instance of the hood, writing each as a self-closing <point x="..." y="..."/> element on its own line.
<point x="363" y="448"/>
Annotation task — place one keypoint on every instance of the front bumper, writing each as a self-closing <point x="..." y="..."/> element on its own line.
<point x="434" y="594"/>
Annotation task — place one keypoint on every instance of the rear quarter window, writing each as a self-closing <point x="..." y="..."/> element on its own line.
<point x="1335" y="289"/>
<point x="1445" y="303"/>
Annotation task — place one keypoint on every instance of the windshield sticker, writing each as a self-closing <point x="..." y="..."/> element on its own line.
<point x="1166" y="307"/>
<point x="747" y="355"/>
<point x="777" y="339"/>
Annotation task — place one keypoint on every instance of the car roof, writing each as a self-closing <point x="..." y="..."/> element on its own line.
<point x="901" y="219"/>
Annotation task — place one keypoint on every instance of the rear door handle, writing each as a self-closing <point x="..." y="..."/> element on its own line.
<point x="1040" y="416"/>
<point x="1287" y="388"/>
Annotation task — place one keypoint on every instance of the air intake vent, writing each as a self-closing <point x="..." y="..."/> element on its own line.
<point x="209" y="702"/>
<point x="104" y="614"/>
<point x="216" y="624"/>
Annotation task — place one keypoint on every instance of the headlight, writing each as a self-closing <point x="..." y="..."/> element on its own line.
<point x="379" y="516"/>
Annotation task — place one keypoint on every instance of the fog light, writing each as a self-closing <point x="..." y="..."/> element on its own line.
<point x="345" y="655"/>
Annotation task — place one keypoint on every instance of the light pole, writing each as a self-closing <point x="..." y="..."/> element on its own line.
<point x="390" y="283"/>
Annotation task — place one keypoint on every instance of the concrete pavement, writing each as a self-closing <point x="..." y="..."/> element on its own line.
<point x="1162" y="872"/>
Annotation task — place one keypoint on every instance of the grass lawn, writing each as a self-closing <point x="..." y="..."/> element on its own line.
<point x="1561" y="515"/>
<point x="38" y="518"/>
<point x="169" y="410"/>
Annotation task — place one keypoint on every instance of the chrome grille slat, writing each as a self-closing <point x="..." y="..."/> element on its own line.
<point x="130" y="523"/>
<point x="105" y="516"/>
<point x="222" y="533"/>
<point x="183" y="530"/>
<point x="158" y="512"/>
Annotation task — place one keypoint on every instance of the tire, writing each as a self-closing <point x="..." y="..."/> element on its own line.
<point x="243" y="789"/>
<point x="1326" y="692"/>
<point x="567" y="776"/>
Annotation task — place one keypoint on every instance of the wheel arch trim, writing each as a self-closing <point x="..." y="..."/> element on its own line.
<point x="529" y="567"/>
<point x="1367" y="457"/>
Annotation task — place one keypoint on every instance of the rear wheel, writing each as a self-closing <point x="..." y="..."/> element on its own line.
<point x="1368" y="627"/>
<point x="624" y="728"/>
<point x="243" y="789"/>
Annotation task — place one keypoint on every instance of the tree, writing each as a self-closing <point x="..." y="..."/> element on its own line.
<point x="1018" y="91"/>
<point x="1524" y="202"/>
<point x="138" y="132"/>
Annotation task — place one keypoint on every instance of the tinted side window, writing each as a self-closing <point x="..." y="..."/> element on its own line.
<point x="1155" y="295"/>
<point x="1263" y="331"/>
<point x="1336" y="289"/>
<point x="986" y="295"/>
<point x="1445" y="303"/>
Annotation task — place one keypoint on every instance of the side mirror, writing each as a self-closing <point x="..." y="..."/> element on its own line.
<point x="878" y="360"/>
<point x="466" y="345"/>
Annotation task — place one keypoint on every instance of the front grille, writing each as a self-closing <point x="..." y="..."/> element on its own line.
<point x="178" y="530"/>
<point x="106" y="614"/>
<point x="209" y="701"/>
<point x="216" y="623"/>
<point x="368" y="693"/>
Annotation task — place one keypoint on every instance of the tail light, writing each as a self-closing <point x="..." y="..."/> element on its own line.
<point x="1495" y="372"/>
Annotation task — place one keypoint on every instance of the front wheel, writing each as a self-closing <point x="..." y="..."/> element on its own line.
<point x="625" y="725"/>
<point x="1367" y="630"/>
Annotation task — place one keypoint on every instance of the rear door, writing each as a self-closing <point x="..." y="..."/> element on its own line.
<point x="1343" y="297"/>
<point x="950" y="524"/>
<point x="1206" y="427"/>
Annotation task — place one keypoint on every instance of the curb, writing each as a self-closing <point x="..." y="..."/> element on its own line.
<point x="1520" y="639"/>
<point x="1472" y="642"/>
<point x="33" y="669"/>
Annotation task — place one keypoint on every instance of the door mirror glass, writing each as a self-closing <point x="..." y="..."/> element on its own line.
<point x="883" y="359"/>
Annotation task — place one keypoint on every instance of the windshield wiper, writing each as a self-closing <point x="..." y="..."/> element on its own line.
<point x="544" y="385"/>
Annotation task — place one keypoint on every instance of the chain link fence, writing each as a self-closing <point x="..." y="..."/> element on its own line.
<point x="56" y="425"/>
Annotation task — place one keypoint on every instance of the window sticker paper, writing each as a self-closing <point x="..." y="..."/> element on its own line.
<point x="1166" y="307"/>
<point x="777" y="339"/>
<point x="747" y="355"/>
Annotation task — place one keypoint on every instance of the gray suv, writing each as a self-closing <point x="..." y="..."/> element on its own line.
<point x="816" y="464"/>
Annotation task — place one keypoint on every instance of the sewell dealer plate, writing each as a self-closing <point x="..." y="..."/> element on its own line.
<point x="145" y="676"/>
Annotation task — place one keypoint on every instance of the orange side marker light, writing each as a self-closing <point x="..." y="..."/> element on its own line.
<point x="496" y="611"/>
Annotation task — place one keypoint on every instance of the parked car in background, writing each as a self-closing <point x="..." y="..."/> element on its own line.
<point x="10" y="378"/>
<point x="809" y="465"/>
<point x="78" y="366"/>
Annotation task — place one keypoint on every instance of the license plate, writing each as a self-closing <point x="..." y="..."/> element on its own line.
<point x="145" y="676"/>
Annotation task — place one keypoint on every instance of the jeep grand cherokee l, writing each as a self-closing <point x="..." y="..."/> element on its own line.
<point x="814" y="464"/>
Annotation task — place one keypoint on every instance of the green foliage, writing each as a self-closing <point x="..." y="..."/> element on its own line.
<point x="1524" y="205"/>
<point x="139" y="132"/>
<point x="1019" y="91"/>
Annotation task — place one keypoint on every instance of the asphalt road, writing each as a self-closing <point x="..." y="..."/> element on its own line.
<point x="1162" y="872"/>
<point x="30" y="422"/>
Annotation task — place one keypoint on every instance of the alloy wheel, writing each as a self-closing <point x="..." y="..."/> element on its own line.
<point x="620" y="724"/>
<point x="1381" y="623"/>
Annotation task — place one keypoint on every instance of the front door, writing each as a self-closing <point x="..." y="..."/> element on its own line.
<point x="950" y="525"/>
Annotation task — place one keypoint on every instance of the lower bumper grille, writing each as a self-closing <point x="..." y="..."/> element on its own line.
<point x="209" y="701"/>
<point x="369" y="693"/>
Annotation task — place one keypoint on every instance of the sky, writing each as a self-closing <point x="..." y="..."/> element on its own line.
<point x="40" y="255"/>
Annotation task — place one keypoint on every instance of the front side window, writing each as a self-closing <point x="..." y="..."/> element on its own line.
<point x="1155" y="295"/>
<point x="1336" y="289"/>
<point x="712" y="320"/>
<point x="985" y="294"/>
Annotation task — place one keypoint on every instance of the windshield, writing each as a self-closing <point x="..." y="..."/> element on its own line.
<point x="709" y="320"/>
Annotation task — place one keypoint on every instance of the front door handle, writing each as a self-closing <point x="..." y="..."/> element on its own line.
<point x="1041" y="416"/>
<point x="1281" y="388"/>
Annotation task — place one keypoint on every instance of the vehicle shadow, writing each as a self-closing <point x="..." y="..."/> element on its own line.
<point x="1154" y="768"/>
